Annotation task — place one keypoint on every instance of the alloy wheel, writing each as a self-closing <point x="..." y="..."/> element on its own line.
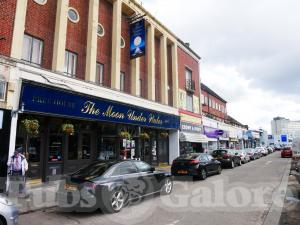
<point x="117" y="200"/>
<point x="168" y="186"/>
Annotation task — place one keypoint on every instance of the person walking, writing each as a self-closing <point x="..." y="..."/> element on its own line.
<point x="17" y="167"/>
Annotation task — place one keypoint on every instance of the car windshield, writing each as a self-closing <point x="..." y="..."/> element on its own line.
<point x="93" y="170"/>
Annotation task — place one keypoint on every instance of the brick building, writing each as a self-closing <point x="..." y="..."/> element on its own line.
<point x="66" y="64"/>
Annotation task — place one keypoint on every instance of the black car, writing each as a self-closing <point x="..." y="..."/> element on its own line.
<point x="227" y="157"/>
<point x="195" y="164"/>
<point x="110" y="185"/>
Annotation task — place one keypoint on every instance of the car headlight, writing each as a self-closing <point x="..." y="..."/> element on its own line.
<point x="5" y="201"/>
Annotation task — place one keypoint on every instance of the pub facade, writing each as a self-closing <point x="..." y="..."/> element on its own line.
<point x="93" y="80"/>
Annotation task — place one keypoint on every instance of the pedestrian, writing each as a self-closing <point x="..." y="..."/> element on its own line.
<point x="17" y="167"/>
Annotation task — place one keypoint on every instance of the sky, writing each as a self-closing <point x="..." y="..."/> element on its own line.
<point x="250" y="52"/>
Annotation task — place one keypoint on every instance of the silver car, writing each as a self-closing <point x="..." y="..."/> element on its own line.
<point x="8" y="212"/>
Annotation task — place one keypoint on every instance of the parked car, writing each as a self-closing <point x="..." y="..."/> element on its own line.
<point x="198" y="165"/>
<point x="286" y="152"/>
<point x="8" y="212"/>
<point x="243" y="154"/>
<point x="110" y="185"/>
<point x="270" y="149"/>
<point x="227" y="157"/>
<point x="262" y="150"/>
<point x="253" y="155"/>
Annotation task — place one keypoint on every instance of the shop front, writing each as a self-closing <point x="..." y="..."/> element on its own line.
<point x="192" y="138"/>
<point x="62" y="131"/>
<point x="213" y="135"/>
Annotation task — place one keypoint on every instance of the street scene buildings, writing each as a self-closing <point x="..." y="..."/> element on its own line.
<point x="105" y="80"/>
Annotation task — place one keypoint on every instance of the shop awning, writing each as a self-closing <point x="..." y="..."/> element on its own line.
<point x="193" y="137"/>
<point x="223" y="139"/>
<point x="234" y="139"/>
<point x="212" y="139"/>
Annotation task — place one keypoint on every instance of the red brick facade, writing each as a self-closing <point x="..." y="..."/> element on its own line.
<point x="185" y="61"/>
<point x="7" y="17"/>
<point x="206" y="109"/>
<point x="77" y="36"/>
<point x="104" y="43"/>
<point x="40" y="23"/>
<point x="125" y="53"/>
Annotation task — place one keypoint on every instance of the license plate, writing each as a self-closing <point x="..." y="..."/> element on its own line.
<point x="70" y="187"/>
<point x="182" y="172"/>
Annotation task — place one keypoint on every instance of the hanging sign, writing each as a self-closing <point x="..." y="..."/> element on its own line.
<point x="137" y="39"/>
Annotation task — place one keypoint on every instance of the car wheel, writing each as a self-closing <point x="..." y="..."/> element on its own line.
<point x="219" y="171"/>
<point x="167" y="187"/>
<point x="232" y="164"/>
<point x="2" y="221"/>
<point x="202" y="174"/>
<point x="116" y="201"/>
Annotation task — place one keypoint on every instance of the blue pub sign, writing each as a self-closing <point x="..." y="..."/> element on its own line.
<point x="137" y="39"/>
<point x="51" y="101"/>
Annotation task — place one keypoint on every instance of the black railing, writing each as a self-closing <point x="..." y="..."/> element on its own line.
<point x="190" y="85"/>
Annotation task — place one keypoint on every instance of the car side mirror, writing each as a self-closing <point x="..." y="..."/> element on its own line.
<point x="152" y="169"/>
<point x="236" y="153"/>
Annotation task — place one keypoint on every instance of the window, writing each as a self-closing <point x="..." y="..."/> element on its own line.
<point x="55" y="148"/>
<point x="124" y="168"/>
<point x="99" y="73"/>
<point x="3" y="84"/>
<point x="188" y="74"/>
<point x="100" y="30"/>
<point x="202" y="99"/>
<point x="189" y="102"/>
<point x="73" y="15"/>
<point x="205" y="100"/>
<point x="210" y="103"/>
<point x="32" y="50"/>
<point x="122" y="81"/>
<point x="40" y="2"/>
<point x="70" y="63"/>
<point x="142" y="166"/>
<point x="122" y="42"/>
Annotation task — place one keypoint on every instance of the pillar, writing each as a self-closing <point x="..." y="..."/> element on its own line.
<point x="91" y="50"/>
<point x="116" y="45"/>
<point x="175" y="75"/>
<point x="164" y="69"/>
<point x="19" y="28"/>
<point x="151" y="62"/>
<point x="59" y="46"/>
<point x="135" y="76"/>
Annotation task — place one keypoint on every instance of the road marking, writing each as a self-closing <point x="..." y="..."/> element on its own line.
<point x="174" y="222"/>
<point x="267" y="163"/>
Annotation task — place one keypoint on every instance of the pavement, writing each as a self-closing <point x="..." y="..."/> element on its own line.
<point x="291" y="209"/>
<point x="251" y="194"/>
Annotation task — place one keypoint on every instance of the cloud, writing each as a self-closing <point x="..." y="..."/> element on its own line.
<point x="250" y="51"/>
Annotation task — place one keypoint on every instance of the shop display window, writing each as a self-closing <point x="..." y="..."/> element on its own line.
<point x="55" y="148"/>
<point x="86" y="146"/>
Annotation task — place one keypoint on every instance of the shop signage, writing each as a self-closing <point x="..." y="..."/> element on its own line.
<point x="270" y="137"/>
<point x="284" y="138"/>
<point x="47" y="100"/>
<point x="212" y="132"/>
<point x="137" y="39"/>
<point x="184" y="126"/>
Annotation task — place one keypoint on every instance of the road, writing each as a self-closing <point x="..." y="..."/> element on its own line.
<point x="244" y="195"/>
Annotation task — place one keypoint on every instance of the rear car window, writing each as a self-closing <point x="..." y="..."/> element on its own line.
<point x="92" y="171"/>
<point x="219" y="152"/>
<point x="188" y="156"/>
